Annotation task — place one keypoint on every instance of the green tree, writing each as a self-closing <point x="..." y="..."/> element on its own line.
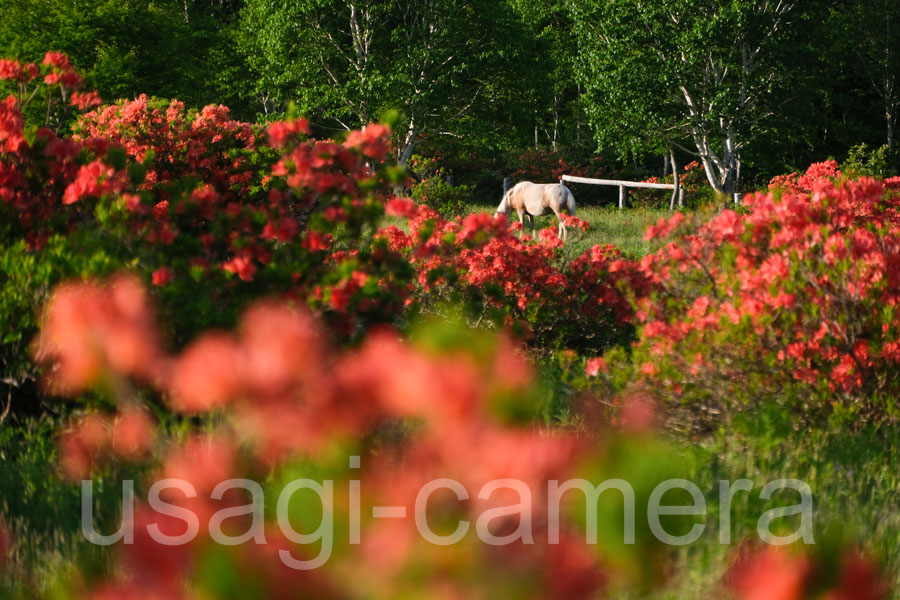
<point x="867" y="39"/>
<point x="558" y="112"/>
<point x="441" y="64"/>
<point x="713" y="74"/>
<point x="166" y="48"/>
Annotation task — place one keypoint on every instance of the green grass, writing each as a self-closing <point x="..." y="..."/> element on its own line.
<point x="609" y="225"/>
<point x="853" y="480"/>
<point x="43" y="511"/>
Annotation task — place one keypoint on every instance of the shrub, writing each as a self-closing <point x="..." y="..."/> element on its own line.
<point x="216" y="212"/>
<point x="791" y="301"/>
<point x="803" y="184"/>
<point x="444" y="198"/>
<point x="861" y="162"/>
<point x="480" y="263"/>
<point x="281" y="403"/>
<point x="276" y="403"/>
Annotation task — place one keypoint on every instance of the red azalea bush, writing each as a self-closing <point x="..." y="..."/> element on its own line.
<point x="41" y="172"/>
<point x="207" y="205"/>
<point x="172" y="143"/>
<point x="793" y="300"/>
<point x="479" y="262"/>
<point x="276" y="391"/>
<point x="277" y="402"/>
<point x="237" y="193"/>
<point x="795" y="183"/>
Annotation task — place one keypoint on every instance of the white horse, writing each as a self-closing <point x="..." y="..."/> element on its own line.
<point x="533" y="199"/>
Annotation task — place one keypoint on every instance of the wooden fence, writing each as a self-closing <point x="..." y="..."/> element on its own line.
<point x="623" y="185"/>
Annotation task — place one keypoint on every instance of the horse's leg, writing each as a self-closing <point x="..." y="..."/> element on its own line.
<point x="531" y="220"/>
<point x="560" y="228"/>
<point x="561" y="232"/>
<point x="521" y="220"/>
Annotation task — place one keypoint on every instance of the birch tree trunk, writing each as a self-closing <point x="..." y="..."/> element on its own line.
<point x="409" y="142"/>
<point x="676" y="178"/>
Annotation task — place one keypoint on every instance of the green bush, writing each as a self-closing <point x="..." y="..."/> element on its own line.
<point x="433" y="189"/>
<point x="861" y="162"/>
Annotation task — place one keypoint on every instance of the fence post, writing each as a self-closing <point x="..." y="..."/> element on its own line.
<point x="622" y="193"/>
<point x="680" y="197"/>
<point x="507" y="183"/>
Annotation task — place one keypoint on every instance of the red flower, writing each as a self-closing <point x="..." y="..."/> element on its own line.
<point x="56" y="59"/>
<point x="203" y="461"/>
<point x="339" y="297"/>
<point x="89" y="328"/>
<point x="94" y="179"/>
<point x="62" y="71"/>
<point x="400" y="207"/>
<point x="208" y="374"/>
<point x="550" y="238"/>
<point x="20" y="73"/>
<point x="132" y="202"/>
<point x="282" y="230"/>
<point x="242" y="265"/>
<point x="132" y="433"/>
<point x="648" y="368"/>
<point x="12" y="125"/>
<point x="85" y="100"/>
<point x="280" y="346"/>
<point x="281" y="131"/>
<point x="371" y="140"/>
<point x="161" y="210"/>
<point x="772" y="573"/>
<point x="594" y="366"/>
<point x="316" y="241"/>
<point x="81" y="445"/>
<point x="664" y="227"/>
<point x="162" y="276"/>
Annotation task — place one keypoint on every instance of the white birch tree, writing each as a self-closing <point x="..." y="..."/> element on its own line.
<point x="703" y="77"/>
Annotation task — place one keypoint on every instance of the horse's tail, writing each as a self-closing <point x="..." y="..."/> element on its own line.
<point x="504" y="207"/>
<point x="570" y="199"/>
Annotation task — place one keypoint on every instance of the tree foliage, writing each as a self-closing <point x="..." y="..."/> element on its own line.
<point x="439" y="63"/>
<point x="867" y="44"/>
<point x="708" y="77"/>
<point x="167" y="48"/>
<point x="773" y="85"/>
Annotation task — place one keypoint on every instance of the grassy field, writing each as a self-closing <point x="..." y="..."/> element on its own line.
<point x="609" y="225"/>
<point x="853" y="480"/>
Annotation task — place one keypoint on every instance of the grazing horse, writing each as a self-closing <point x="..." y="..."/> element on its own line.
<point x="533" y="199"/>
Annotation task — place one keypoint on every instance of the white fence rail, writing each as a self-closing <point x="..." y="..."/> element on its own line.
<point x="623" y="185"/>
